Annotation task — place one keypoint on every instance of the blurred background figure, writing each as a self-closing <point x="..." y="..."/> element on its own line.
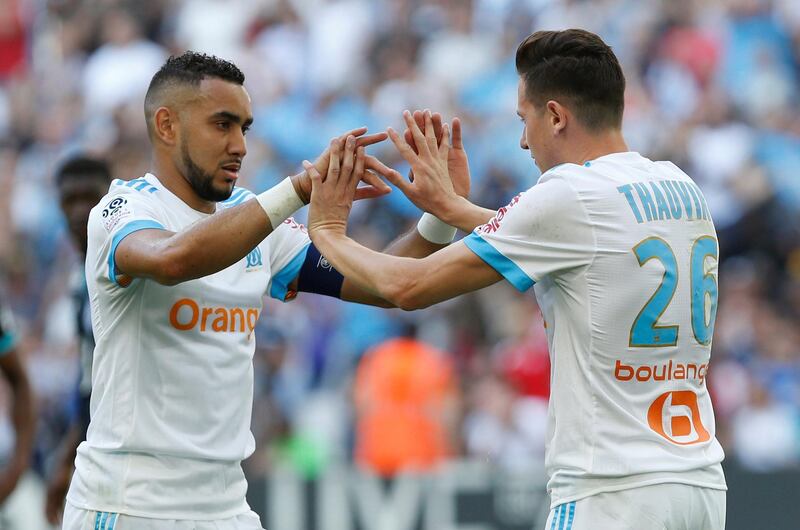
<point x="713" y="86"/>
<point x="406" y="407"/>
<point x="16" y="439"/>
<point x="81" y="181"/>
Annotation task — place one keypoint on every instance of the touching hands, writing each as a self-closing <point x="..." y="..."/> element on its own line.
<point x="375" y="187"/>
<point x="433" y="185"/>
<point x="332" y="196"/>
<point x="457" y="163"/>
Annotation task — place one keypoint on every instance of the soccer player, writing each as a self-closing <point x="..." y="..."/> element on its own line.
<point x="23" y="415"/>
<point x="177" y="262"/>
<point x="622" y="254"/>
<point x="81" y="182"/>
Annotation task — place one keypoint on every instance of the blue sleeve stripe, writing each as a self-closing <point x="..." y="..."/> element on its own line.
<point x="7" y="343"/>
<point x="125" y="231"/>
<point x="499" y="262"/>
<point x="241" y="199"/>
<point x="281" y="281"/>
<point x="235" y="195"/>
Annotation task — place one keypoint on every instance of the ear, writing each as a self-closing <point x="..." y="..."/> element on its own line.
<point x="557" y="116"/>
<point x="165" y="125"/>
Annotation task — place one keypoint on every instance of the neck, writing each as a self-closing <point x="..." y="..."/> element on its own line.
<point x="172" y="179"/>
<point x="585" y="146"/>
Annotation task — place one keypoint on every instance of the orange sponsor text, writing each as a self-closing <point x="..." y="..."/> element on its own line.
<point x="186" y="314"/>
<point x="671" y="371"/>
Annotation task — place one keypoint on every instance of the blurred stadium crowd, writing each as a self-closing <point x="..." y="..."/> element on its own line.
<point x="713" y="85"/>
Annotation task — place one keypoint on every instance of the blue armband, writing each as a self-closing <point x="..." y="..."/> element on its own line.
<point x="317" y="275"/>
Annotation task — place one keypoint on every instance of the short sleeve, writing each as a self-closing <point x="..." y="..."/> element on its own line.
<point x="8" y="338"/>
<point x="288" y="245"/>
<point x="541" y="232"/>
<point x="122" y="212"/>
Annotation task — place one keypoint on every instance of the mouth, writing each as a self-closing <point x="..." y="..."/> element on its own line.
<point x="231" y="171"/>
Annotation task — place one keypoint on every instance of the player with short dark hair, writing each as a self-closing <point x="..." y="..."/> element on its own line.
<point x="622" y="254"/>
<point x="81" y="181"/>
<point x="177" y="264"/>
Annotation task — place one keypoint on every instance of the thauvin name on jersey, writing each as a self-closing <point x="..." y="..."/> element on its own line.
<point x="665" y="200"/>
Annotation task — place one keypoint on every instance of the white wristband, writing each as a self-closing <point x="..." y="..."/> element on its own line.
<point x="280" y="202"/>
<point x="435" y="230"/>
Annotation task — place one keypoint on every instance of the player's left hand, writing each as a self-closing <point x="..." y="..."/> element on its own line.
<point x="375" y="187"/>
<point x="332" y="197"/>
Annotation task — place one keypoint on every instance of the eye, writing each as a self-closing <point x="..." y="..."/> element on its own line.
<point x="223" y="125"/>
<point x="245" y="129"/>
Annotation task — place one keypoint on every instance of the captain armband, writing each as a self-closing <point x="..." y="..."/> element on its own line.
<point x="317" y="275"/>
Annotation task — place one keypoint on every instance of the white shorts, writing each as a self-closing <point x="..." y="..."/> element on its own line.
<point x="657" y="507"/>
<point x="80" y="519"/>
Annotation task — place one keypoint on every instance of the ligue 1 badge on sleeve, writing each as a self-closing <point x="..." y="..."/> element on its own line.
<point x="115" y="211"/>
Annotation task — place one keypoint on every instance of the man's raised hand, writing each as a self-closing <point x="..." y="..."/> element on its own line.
<point x="375" y="187"/>
<point x="431" y="189"/>
<point x="332" y="196"/>
<point x="457" y="163"/>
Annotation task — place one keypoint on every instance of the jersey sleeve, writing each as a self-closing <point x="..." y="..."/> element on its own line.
<point x="8" y="337"/>
<point x="288" y="245"/>
<point x="541" y="232"/>
<point x="122" y="212"/>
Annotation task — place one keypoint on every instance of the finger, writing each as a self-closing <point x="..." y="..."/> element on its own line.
<point x="388" y="173"/>
<point x="430" y="136"/>
<point x="444" y="145"/>
<point x="334" y="166"/>
<point x="419" y="119"/>
<point x="348" y="160"/>
<point x="313" y="174"/>
<point x="354" y="132"/>
<point x="405" y="150"/>
<point x="457" y="144"/>
<point x="416" y="132"/>
<point x="409" y="138"/>
<point x="437" y="126"/>
<point x="374" y="180"/>
<point x="370" y="192"/>
<point x="370" y="139"/>
<point x="360" y="160"/>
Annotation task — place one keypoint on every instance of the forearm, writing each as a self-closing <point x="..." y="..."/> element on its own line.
<point x="465" y="215"/>
<point x="410" y="244"/>
<point x="218" y="241"/>
<point x="23" y="418"/>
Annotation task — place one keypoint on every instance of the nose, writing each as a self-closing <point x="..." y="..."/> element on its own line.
<point x="238" y="144"/>
<point x="523" y="142"/>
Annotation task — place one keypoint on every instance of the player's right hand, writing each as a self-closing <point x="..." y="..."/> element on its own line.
<point x="431" y="189"/>
<point x="375" y="187"/>
<point x="457" y="163"/>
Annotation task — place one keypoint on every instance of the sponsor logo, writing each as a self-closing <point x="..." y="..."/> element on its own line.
<point x="494" y="224"/>
<point x="295" y="225"/>
<point x="254" y="260"/>
<point x="671" y="371"/>
<point x="676" y="416"/>
<point x="187" y="315"/>
<point x="324" y="264"/>
<point x="114" y="212"/>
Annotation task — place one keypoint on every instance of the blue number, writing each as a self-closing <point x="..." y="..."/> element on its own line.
<point x="704" y="285"/>
<point x="645" y="332"/>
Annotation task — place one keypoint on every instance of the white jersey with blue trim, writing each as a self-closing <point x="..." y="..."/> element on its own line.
<point x="172" y="379"/>
<point x="623" y="255"/>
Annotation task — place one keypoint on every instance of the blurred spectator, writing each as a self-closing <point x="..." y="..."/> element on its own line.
<point x="405" y="405"/>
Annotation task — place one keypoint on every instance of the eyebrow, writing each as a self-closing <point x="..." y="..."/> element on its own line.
<point x="235" y="118"/>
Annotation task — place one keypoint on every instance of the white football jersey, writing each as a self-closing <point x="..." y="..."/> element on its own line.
<point x="172" y="379"/>
<point x="623" y="255"/>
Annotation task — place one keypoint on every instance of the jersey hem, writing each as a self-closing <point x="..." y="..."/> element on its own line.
<point x="182" y="516"/>
<point x="558" y="501"/>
